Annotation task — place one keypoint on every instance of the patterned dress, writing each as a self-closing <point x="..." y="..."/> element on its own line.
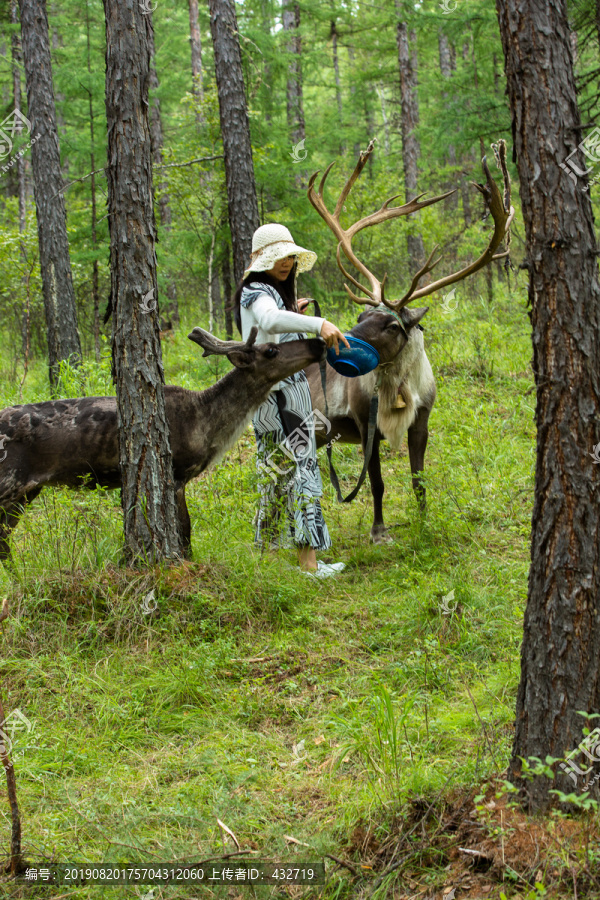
<point x="289" y="512"/>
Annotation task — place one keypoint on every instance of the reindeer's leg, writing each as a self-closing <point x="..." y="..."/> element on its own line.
<point x="379" y="533"/>
<point x="417" y="442"/>
<point x="378" y="530"/>
<point x="185" y="525"/>
<point x="9" y="517"/>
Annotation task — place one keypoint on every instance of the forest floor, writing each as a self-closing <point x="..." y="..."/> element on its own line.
<point x="366" y="718"/>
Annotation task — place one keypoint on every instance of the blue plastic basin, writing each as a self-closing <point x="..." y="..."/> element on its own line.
<point x="358" y="360"/>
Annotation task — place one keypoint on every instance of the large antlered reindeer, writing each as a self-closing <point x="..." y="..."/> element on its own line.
<point x="404" y="377"/>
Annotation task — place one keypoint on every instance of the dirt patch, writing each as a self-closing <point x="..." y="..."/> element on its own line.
<point x="478" y="850"/>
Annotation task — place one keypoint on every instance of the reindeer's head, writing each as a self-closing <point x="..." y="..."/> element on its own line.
<point x="263" y="362"/>
<point x="388" y="332"/>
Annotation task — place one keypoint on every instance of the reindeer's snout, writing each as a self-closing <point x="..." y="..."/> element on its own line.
<point x="319" y="347"/>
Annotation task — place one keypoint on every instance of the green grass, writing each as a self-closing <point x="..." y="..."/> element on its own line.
<point x="278" y="704"/>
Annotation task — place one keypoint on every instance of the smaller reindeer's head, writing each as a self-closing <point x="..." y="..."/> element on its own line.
<point x="263" y="362"/>
<point x="386" y="331"/>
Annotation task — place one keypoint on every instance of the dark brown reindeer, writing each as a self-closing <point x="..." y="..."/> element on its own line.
<point x="75" y="442"/>
<point x="407" y="388"/>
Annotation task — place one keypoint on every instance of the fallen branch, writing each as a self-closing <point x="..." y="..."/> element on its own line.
<point x="346" y="865"/>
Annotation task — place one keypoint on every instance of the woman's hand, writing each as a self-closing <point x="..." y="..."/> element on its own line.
<point x="303" y="303"/>
<point x="332" y="335"/>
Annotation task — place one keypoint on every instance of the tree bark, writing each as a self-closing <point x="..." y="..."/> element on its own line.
<point x="561" y="644"/>
<point x="409" y="122"/>
<point x="55" y="265"/>
<point x="156" y="144"/>
<point x="235" y="129"/>
<point x="196" y="50"/>
<point x="295" y="109"/>
<point x="148" y="492"/>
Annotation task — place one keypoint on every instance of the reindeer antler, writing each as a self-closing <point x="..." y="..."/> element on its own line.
<point x="214" y="346"/>
<point x="502" y="214"/>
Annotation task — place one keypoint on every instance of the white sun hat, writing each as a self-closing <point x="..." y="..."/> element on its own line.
<point x="273" y="242"/>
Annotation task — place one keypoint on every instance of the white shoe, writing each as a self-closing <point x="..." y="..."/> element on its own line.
<point x="326" y="570"/>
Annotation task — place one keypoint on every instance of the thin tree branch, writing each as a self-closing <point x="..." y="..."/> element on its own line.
<point x="190" y="162"/>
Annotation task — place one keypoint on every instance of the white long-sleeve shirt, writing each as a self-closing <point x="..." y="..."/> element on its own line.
<point x="272" y="321"/>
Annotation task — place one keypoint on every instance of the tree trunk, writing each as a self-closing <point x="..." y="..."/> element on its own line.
<point x="196" y="49"/>
<point x="55" y="265"/>
<point x="336" y="69"/>
<point x="17" y="100"/>
<point x="386" y="124"/>
<point x="95" y="289"/>
<point x="147" y="494"/>
<point x="447" y="65"/>
<point x="20" y="167"/>
<point x="211" y="256"/>
<point x="235" y="129"/>
<point x="353" y="78"/>
<point x="295" y="110"/>
<point x="266" y="70"/>
<point x="215" y="288"/>
<point x="561" y="644"/>
<point x="410" y="119"/>
<point x="57" y="42"/>
<point x="156" y="144"/>
<point x="227" y="293"/>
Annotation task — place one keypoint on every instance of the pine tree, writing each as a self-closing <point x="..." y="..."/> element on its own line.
<point x="239" y="168"/>
<point x="59" y="295"/>
<point x="148" y="491"/>
<point x="561" y="644"/>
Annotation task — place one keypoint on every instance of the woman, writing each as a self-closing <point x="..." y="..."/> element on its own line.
<point x="289" y="512"/>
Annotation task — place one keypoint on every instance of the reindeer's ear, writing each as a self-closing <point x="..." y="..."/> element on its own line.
<point x="412" y="317"/>
<point x="241" y="359"/>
